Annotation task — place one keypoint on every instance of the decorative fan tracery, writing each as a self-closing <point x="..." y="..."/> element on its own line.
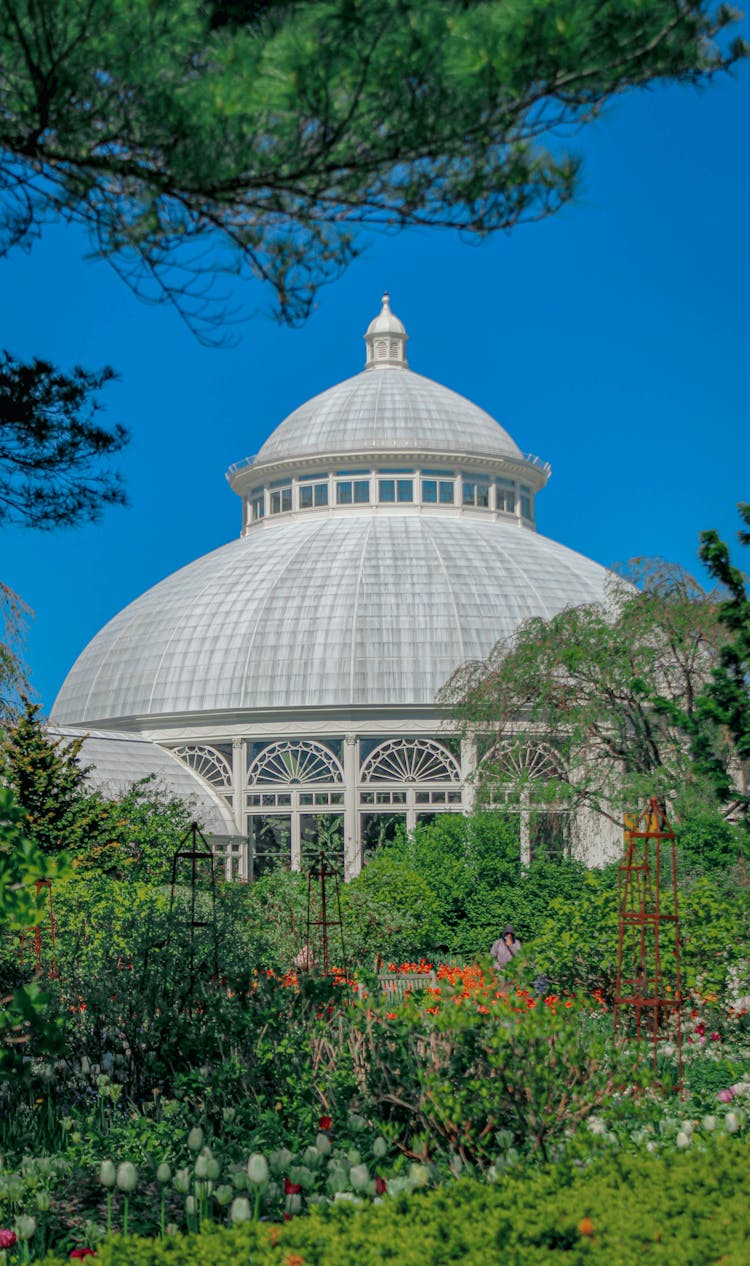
<point x="292" y="763"/>
<point x="514" y="762"/>
<point x="206" y="762"/>
<point x="410" y="760"/>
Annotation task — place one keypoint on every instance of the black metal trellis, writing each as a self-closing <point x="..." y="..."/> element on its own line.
<point x="199" y="859"/>
<point x="316" y="957"/>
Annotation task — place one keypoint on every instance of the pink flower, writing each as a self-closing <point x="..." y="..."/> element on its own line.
<point x="725" y="1096"/>
<point x="7" y="1237"/>
<point x="83" y="1252"/>
<point x="716" y="1037"/>
<point x="381" y="1185"/>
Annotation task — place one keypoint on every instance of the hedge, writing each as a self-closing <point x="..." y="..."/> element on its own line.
<point x="690" y="1208"/>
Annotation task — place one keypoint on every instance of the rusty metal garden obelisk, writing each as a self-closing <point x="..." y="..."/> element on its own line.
<point x="648" y="992"/>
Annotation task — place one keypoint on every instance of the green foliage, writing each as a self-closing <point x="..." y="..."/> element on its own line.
<point x="391" y="910"/>
<point x="709" y="844"/>
<point x="24" y="1022"/>
<point x="271" y="131"/>
<point x="576" y="946"/>
<point x="677" y="1209"/>
<point x="464" y="875"/>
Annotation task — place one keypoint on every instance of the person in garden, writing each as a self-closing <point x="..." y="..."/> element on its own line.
<point x="506" y="946"/>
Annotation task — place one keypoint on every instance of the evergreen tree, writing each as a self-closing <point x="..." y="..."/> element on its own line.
<point x="49" y="784"/>
<point x="51" y="446"/>
<point x="193" y="137"/>
<point x="723" y="708"/>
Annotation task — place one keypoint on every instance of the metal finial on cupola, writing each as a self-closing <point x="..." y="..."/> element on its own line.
<point x="386" y="339"/>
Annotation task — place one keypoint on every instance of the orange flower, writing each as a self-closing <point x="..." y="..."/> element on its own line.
<point x="273" y="1236"/>
<point x="294" y="1259"/>
<point x="586" y="1227"/>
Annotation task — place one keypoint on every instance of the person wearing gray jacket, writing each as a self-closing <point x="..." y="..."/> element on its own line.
<point x="506" y="946"/>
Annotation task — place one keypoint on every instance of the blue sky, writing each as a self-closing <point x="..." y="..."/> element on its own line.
<point x="611" y="340"/>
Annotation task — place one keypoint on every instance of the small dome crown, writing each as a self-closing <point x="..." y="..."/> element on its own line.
<point x="386" y="338"/>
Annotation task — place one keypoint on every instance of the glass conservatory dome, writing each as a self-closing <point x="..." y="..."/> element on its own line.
<point x="388" y="537"/>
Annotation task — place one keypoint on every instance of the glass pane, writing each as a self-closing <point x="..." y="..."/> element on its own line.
<point x="447" y="494"/>
<point x="305" y="797"/>
<point x="322" y="832"/>
<point x="377" y="829"/>
<point x="321" y="494"/>
<point x="429" y="490"/>
<point x="506" y="495"/>
<point x="405" y="489"/>
<point x="270" y="843"/>
<point x="286" y="498"/>
<point x="305" y="496"/>
<point x="361" y="491"/>
<point x="387" y="489"/>
<point x="344" y="493"/>
<point x="483" y="494"/>
<point x="275" y="502"/>
<point x="422" y="797"/>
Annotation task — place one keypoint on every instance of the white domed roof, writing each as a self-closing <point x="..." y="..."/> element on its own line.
<point x="387" y="409"/>
<point x="335" y="611"/>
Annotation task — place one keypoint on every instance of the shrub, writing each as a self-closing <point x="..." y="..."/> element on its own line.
<point x="676" y="1209"/>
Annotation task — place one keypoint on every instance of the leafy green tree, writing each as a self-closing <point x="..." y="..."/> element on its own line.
<point x="51" y="446"/>
<point x="604" y="688"/>
<point x="195" y="137"/>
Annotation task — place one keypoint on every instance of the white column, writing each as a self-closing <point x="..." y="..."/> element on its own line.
<point x="468" y="766"/>
<point x="295" y="842"/>
<point x="239" y="781"/>
<point x="352" y="849"/>
<point x="525" y="824"/>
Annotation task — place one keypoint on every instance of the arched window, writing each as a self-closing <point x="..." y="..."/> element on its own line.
<point x="206" y="762"/>
<point x="410" y="761"/>
<point x="515" y="764"/>
<point x="294" y="762"/>
<point x="525" y="777"/>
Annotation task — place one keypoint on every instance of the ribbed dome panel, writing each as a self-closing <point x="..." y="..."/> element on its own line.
<point x="339" y="610"/>
<point x="387" y="409"/>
